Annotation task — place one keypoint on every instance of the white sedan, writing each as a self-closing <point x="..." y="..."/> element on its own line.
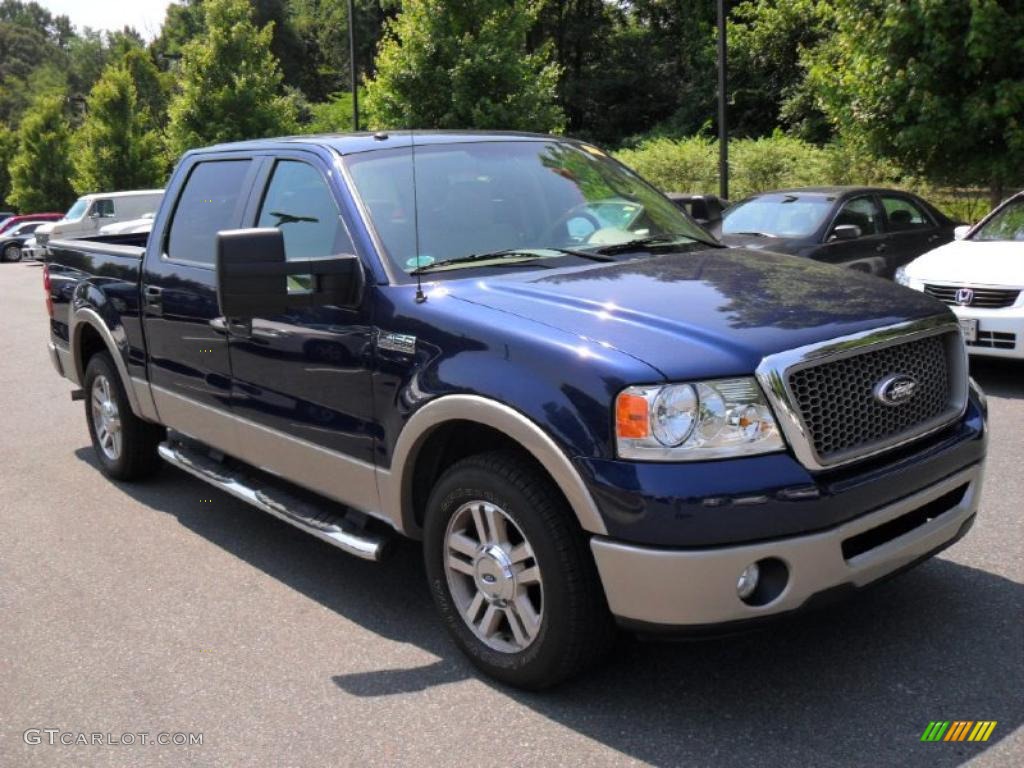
<point x="981" y="276"/>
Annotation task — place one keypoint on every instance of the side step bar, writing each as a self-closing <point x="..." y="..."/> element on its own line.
<point x="330" y="526"/>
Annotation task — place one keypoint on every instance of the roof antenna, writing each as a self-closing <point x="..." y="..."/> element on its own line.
<point x="420" y="296"/>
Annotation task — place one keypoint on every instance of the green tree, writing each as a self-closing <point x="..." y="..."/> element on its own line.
<point x="230" y="83"/>
<point x="152" y="85"/>
<point x="769" y="89"/>
<point x="8" y="146"/>
<point x="937" y="85"/>
<point x="116" y="148"/>
<point x="464" y="65"/>
<point x="322" y="26"/>
<point x="41" y="168"/>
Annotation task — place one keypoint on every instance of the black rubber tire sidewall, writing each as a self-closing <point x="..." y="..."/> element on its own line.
<point x="572" y="610"/>
<point x="139" y="439"/>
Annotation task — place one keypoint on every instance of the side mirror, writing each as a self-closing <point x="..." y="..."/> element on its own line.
<point x="961" y="232"/>
<point x="252" y="276"/>
<point x="846" y="232"/>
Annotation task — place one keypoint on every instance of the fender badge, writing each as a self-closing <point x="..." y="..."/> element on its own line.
<point x="396" y="342"/>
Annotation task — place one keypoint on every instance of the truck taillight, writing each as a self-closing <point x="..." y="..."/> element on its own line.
<point x="46" y="287"/>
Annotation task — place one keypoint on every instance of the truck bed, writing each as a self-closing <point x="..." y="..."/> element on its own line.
<point x="108" y="269"/>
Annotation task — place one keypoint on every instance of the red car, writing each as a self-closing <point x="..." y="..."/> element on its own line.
<point x="14" y="221"/>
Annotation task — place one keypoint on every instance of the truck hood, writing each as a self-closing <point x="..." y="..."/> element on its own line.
<point x="759" y="243"/>
<point x="973" y="262"/>
<point x="707" y="312"/>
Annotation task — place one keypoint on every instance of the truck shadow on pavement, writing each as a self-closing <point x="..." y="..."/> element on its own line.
<point x="853" y="684"/>
<point x="999" y="378"/>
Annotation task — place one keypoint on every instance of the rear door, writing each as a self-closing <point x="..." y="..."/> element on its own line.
<point x="189" y="368"/>
<point x="302" y="379"/>
<point x="910" y="228"/>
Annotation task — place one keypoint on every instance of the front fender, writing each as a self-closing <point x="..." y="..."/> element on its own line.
<point x="396" y="485"/>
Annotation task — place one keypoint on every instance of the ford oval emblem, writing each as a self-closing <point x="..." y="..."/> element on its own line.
<point x="895" y="390"/>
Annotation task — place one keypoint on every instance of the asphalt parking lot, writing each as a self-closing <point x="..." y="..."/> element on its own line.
<point x="168" y="607"/>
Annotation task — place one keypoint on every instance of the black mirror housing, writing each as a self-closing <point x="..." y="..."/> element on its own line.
<point x="252" y="276"/>
<point x="251" y="279"/>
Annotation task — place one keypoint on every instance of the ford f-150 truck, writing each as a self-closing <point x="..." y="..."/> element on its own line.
<point x="514" y="349"/>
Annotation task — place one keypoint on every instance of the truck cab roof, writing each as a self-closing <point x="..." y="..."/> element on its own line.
<point x="367" y="141"/>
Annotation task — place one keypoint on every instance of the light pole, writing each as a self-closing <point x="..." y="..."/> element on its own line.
<point x="723" y="118"/>
<point x="352" y="63"/>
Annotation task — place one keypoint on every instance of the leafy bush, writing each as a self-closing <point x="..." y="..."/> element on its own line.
<point x="691" y="164"/>
<point x="779" y="161"/>
<point x="683" y="165"/>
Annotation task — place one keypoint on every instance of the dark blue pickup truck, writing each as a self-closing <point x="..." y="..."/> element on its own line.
<point x="514" y="349"/>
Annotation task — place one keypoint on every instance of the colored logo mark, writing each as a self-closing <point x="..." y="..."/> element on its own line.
<point x="958" y="730"/>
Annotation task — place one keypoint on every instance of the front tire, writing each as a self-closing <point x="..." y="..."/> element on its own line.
<point x="12" y="253"/>
<point x="125" y="445"/>
<point x="512" y="574"/>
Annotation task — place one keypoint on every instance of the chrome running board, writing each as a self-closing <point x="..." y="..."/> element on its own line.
<point x="332" y="527"/>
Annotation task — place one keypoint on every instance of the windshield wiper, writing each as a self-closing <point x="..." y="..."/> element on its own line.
<point x="642" y="243"/>
<point x="526" y="254"/>
<point x="510" y="253"/>
<point x="751" y="234"/>
<point x="598" y="255"/>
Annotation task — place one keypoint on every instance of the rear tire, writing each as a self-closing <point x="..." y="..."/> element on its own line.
<point x="125" y="445"/>
<point x="12" y="253"/>
<point x="512" y="574"/>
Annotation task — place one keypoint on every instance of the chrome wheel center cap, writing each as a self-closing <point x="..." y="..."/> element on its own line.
<point x="494" y="575"/>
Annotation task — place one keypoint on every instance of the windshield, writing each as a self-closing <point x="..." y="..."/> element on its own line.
<point x="785" y="215"/>
<point x="77" y="210"/>
<point x="489" y="197"/>
<point x="1007" y="224"/>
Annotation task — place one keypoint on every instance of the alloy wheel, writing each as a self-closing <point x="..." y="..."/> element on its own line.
<point x="106" y="419"/>
<point x="494" y="577"/>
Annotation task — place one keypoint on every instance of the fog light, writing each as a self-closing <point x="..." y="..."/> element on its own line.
<point x="747" y="582"/>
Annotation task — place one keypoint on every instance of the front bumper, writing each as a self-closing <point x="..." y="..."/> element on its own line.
<point x="1000" y="331"/>
<point x="696" y="588"/>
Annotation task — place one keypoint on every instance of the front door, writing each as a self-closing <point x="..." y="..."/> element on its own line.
<point x="867" y="253"/>
<point x="301" y="380"/>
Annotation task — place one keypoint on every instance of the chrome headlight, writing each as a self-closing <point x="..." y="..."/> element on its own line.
<point x="901" y="277"/>
<point x="688" y="422"/>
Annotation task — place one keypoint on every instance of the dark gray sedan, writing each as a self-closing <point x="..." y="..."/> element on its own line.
<point x="868" y="229"/>
<point x="12" y="240"/>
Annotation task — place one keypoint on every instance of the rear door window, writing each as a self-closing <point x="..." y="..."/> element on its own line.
<point x="903" y="214"/>
<point x="208" y="203"/>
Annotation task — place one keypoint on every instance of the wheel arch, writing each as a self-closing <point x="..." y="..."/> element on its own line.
<point x="88" y="335"/>
<point x="401" y="487"/>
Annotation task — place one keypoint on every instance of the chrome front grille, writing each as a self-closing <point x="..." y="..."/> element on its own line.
<point x="826" y="396"/>
<point x="983" y="298"/>
<point x="837" y="402"/>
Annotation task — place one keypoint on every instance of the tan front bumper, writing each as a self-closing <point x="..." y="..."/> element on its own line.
<point x="697" y="588"/>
